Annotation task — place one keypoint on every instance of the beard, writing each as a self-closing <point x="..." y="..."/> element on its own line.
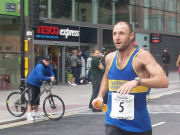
<point x="123" y="48"/>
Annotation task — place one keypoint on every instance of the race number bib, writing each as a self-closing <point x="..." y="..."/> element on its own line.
<point x="122" y="106"/>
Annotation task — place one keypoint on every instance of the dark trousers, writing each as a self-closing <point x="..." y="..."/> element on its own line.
<point x="96" y="86"/>
<point x="77" y="80"/>
<point x="89" y="75"/>
<point x="165" y="67"/>
<point x="75" y="74"/>
<point x="112" y="130"/>
<point x="33" y="94"/>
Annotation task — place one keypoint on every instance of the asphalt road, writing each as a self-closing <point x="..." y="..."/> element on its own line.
<point x="164" y="111"/>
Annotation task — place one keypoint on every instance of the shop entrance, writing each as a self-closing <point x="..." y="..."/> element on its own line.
<point x="56" y="62"/>
<point x="60" y="60"/>
<point x="57" y="59"/>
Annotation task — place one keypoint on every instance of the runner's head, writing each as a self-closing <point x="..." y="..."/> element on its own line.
<point x="122" y="35"/>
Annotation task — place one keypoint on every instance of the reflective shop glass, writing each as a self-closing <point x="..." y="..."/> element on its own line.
<point x="142" y="18"/>
<point x="9" y="52"/>
<point x="61" y="9"/>
<point x="10" y="67"/>
<point x="157" y="4"/>
<point x="170" y="22"/>
<point x="157" y="20"/>
<point x="9" y="34"/>
<point x="114" y="11"/>
<point x="86" y="35"/>
<point x="178" y="6"/>
<point x="170" y="5"/>
<point x="143" y="3"/>
<point x="132" y="2"/>
<point x="107" y="37"/>
<point x="178" y="23"/>
<point x="43" y="13"/>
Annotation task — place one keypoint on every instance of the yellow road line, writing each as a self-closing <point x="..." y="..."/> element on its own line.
<point x="20" y="123"/>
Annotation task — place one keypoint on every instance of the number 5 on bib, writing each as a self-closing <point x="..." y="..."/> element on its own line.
<point x="122" y="106"/>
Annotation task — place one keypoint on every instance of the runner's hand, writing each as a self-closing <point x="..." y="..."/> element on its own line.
<point x="126" y="88"/>
<point x="96" y="104"/>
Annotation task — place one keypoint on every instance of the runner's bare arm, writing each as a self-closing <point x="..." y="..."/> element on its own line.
<point x="158" y="78"/>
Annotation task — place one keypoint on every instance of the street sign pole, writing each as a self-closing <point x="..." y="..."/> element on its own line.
<point x="22" y="37"/>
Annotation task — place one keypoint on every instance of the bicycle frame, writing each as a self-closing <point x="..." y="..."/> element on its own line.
<point x="46" y="88"/>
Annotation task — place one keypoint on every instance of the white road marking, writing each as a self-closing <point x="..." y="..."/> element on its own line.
<point x="158" y="124"/>
<point x="165" y="112"/>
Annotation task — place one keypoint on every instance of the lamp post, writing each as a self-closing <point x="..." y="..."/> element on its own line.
<point x="22" y="36"/>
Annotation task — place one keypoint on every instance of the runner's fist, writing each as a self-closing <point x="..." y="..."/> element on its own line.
<point x="97" y="103"/>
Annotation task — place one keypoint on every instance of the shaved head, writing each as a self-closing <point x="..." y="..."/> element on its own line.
<point x="128" y="24"/>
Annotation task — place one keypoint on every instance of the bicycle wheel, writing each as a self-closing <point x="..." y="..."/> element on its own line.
<point x="14" y="104"/>
<point x="54" y="107"/>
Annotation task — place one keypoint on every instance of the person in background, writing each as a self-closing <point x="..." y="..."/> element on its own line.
<point x="74" y="68"/>
<point x="128" y="76"/>
<point x="88" y="67"/>
<point x="54" y="65"/>
<point x="79" y="65"/>
<point x="178" y="65"/>
<point x="166" y="60"/>
<point x="134" y="44"/>
<point x="96" y="74"/>
<point x="41" y="72"/>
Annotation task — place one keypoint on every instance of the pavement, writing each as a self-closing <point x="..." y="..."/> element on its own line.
<point x="76" y="98"/>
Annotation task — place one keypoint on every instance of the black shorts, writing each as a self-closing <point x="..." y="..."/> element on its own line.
<point x="113" y="130"/>
<point x="74" y="71"/>
<point x="33" y="94"/>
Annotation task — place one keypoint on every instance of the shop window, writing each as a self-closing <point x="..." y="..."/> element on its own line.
<point x="88" y="35"/>
<point x="143" y="3"/>
<point x="61" y="9"/>
<point x="178" y="24"/>
<point x="170" y="5"/>
<point x="107" y="37"/>
<point x="83" y="10"/>
<point x="170" y="22"/>
<point x="132" y="2"/>
<point x="178" y="6"/>
<point x="157" y="4"/>
<point x="142" y="18"/>
<point x="105" y="12"/>
<point x="157" y="21"/>
<point x="9" y="70"/>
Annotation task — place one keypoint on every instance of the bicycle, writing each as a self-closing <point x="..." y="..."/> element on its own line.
<point x="53" y="105"/>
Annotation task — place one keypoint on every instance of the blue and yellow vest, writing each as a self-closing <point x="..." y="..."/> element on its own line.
<point x="118" y="76"/>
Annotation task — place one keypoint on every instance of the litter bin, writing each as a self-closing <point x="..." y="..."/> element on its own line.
<point x="69" y="76"/>
<point x="4" y="82"/>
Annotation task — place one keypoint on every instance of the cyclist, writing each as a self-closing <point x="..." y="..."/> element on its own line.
<point x="41" y="72"/>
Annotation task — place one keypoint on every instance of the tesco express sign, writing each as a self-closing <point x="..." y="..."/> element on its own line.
<point x="56" y="32"/>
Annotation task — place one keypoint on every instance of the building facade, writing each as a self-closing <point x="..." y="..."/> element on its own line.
<point x="9" y="44"/>
<point x="88" y="24"/>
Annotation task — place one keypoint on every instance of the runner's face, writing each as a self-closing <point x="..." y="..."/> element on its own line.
<point x="121" y="36"/>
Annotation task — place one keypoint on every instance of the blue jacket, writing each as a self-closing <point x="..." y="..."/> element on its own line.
<point x="40" y="73"/>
